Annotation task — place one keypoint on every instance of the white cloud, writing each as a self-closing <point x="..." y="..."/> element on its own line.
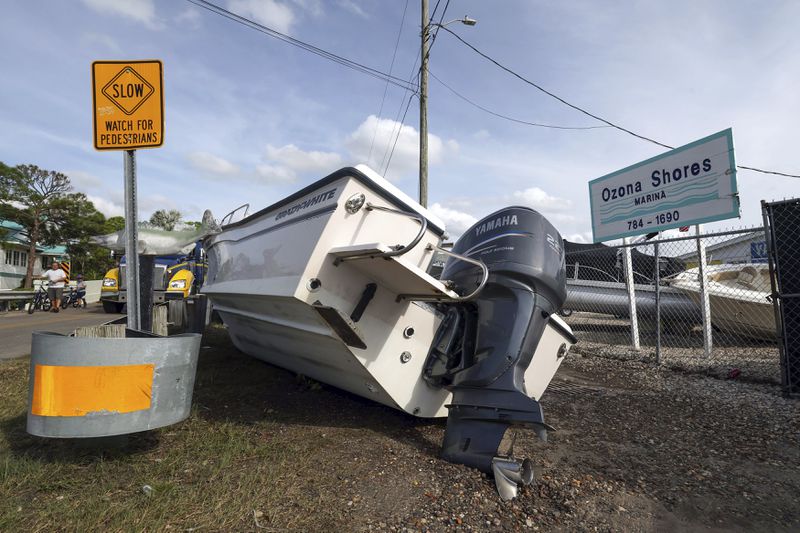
<point x="275" y="174"/>
<point x="83" y="180"/>
<point x="190" y="17"/>
<point x="540" y="200"/>
<point x="206" y="162"/>
<point x="105" y="206"/>
<point x="272" y="13"/>
<point x="373" y="140"/>
<point x="101" y="40"/>
<point x="143" y="11"/>
<point x="457" y="222"/>
<point x="297" y="160"/>
<point x="579" y="237"/>
<point x="154" y="202"/>
<point x="283" y="164"/>
<point x="353" y="7"/>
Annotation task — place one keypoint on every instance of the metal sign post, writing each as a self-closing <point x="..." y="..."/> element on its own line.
<point x="629" y="282"/>
<point x="128" y="113"/>
<point x="657" y="278"/>
<point x="131" y="236"/>
<point x="705" y="305"/>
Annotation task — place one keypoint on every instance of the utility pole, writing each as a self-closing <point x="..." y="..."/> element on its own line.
<point x="423" y="109"/>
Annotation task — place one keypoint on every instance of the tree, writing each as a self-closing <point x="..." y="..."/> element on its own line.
<point x="114" y="224"/>
<point x="82" y="220"/>
<point x="166" y="219"/>
<point x="30" y="196"/>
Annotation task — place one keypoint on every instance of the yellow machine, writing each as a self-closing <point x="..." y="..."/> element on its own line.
<point x="175" y="277"/>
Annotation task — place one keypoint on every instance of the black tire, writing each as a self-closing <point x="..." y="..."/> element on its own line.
<point x="110" y="306"/>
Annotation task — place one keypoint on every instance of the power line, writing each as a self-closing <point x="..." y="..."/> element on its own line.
<point x="552" y="95"/>
<point x="399" y="131"/>
<point x="349" y="63"/>
<point x="596" y="117"/>
<point x="437" y="26"/>
<point x="386" y="87"/>
<point x="768" y="171"/>
<point x="512" y="119"/>
<point x="396" y="125"/>
<point x="415" y="72"/>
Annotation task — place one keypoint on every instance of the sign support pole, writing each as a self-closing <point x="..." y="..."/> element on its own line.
<point x="657" y="277"/>
<point x="131" y="237"/>
<point x="705" y="305"/>
<point x="629" y="281"/>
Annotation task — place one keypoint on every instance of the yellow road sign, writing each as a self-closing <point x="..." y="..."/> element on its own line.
<point x="128" y="104"/>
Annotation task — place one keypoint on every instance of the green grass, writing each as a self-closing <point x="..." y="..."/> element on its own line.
<point x="234" y="461"/>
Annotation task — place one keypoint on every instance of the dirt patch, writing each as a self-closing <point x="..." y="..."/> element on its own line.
<point x="637" y="449"/>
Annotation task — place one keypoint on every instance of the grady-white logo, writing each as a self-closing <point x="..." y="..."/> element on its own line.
<point x="508" y="220"/>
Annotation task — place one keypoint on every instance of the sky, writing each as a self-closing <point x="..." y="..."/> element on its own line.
<point x="250" y="119"/>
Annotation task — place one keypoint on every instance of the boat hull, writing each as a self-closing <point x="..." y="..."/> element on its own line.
<point x="287" y="287"/>
<point x="738" y="298"/>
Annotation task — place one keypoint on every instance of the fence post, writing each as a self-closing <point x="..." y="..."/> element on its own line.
<point x="657" y="277"/>
<point x="705" y="306"/>
<point x="628" y="265"/>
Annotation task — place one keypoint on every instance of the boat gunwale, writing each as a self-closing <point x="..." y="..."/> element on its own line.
<point x="330" y="178"/>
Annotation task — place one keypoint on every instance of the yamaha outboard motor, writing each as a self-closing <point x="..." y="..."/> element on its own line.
<point x="484" y="346"/>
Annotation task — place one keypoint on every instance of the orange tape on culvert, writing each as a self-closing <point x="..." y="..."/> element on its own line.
<point x="81" y="390"/>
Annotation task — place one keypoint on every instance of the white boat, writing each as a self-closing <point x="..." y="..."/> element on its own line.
<point x="738" y="296"/>
<point x="331" y="282"/>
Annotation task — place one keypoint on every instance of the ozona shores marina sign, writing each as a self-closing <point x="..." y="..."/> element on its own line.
<point x="689" y="185"/>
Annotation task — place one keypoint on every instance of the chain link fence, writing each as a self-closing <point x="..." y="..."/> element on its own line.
<point x="700" y="301"/>
<point x="782" y="219"/>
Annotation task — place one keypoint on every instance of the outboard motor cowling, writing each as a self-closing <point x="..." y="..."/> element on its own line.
<point x="483" y="347"/>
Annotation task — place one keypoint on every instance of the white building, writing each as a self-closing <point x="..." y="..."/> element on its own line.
<point x="14" y="255"/>
<point x="745" y="248"/>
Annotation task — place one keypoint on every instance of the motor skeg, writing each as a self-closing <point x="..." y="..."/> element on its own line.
<point x="483" y="347"/>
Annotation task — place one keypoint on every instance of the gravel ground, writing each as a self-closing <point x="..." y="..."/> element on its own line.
<point x="637" y="448"/>
<point x="681" y="347"/>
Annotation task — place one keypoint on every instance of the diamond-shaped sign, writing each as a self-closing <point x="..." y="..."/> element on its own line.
<point x="128" y="104"/>
<point x="128" y="90"/>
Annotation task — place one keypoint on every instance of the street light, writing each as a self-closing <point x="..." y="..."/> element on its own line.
<point x="423" y="98"/>
<point x="467" y="21"/>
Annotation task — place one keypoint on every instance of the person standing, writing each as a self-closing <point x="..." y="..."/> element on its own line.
<point x="56" y="278"/>
<point x="81" y="291"/>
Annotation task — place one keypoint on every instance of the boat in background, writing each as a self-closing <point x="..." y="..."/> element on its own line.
<point x="332" y="282"/>
<point x="738" y="295"/>
<point x="611" y="298"/>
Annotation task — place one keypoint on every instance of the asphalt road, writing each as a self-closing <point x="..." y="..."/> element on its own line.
<point x="16" y="327"/>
